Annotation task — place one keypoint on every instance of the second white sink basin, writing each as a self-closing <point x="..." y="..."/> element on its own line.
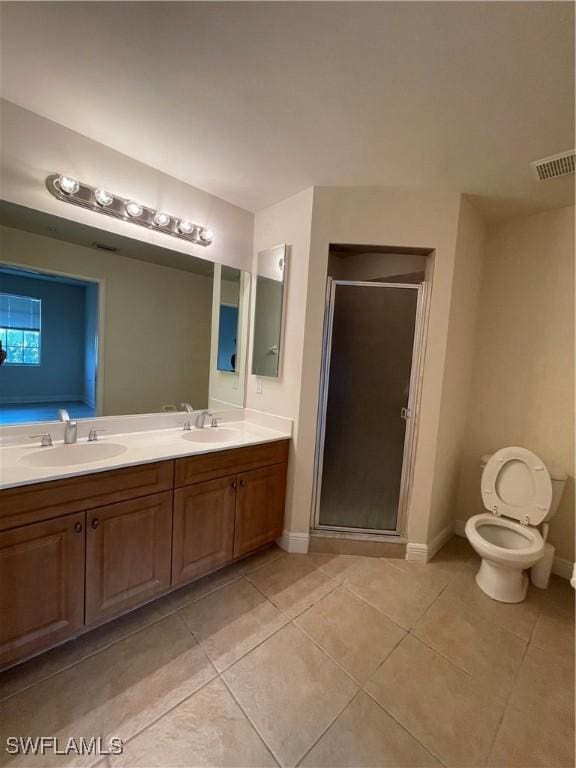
<point x="77" y="453"/>
<point x="212" y="435"/>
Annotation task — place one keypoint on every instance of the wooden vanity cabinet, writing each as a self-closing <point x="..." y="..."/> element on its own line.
<point x="77" y="552"/>
<point x="127" y="554"/>
<point x="259" y="508"/>
<point x="203" y="528"/>
<point x="41" y="585"/>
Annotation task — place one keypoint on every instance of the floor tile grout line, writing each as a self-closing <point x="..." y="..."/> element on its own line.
<point x="506" y="705"/>
<point x="404" y="727"/>
<point x="249" y="719"/>
<point x="325" y="652"/>
<point x="327" y="728"/>
<point x="113" y="642"/>
<point x="367" y="602"/>
<point x="170" y="709"/>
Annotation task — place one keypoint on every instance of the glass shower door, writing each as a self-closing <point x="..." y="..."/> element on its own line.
<point x="366" y="391"/>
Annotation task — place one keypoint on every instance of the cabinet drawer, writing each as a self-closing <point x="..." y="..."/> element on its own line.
<point x="203" y="528"/>
<point x="209" y="466"/>
<point x="27" y="504"/>
<point x="128" y="552"/>
<point x="41" y="585"/>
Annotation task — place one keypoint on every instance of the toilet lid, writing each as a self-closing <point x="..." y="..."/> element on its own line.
<point x="515" y="483"/>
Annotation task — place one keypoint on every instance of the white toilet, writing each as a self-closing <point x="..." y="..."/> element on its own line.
<point x="520" y="493"/>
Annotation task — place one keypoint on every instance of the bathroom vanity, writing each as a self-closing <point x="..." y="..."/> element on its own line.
<point x="82" y="549"/>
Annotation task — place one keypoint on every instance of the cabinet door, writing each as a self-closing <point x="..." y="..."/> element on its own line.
<point x="259" y="508"/>
<point x="127" y="554"/>
<point x="41" y="585"/>
<point x="203" y="528"/>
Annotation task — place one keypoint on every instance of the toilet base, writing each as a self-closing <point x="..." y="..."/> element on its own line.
<point x="507" y="585"/>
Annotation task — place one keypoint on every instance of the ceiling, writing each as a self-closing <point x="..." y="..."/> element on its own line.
<point x="254" y="102"/>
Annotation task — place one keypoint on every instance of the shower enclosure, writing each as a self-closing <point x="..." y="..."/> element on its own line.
<point x="367" y="401"/>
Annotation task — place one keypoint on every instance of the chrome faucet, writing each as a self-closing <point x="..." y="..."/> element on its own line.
<point x="187" y="407"/>
<point x="200" y="422"/>
<point x="70" y="428"/>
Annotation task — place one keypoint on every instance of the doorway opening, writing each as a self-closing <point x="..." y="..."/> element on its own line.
<point x="374" y="330"/>
<point x="49" y="333"/>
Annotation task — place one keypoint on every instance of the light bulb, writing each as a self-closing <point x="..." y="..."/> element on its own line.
<point x="68" y="185"/>
<point x="133" y="209"/>
<point x="161" y="219"/>
<point x="206" y="235"/>
<point x="103" y="198"/>
<point x="186" y="227"/>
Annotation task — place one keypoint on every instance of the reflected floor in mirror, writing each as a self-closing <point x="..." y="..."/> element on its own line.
<point x="24" y="413"/>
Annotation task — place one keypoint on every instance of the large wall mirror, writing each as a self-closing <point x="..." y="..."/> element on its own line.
<point x="103" y="325"/>
<point x="269" y="303"/>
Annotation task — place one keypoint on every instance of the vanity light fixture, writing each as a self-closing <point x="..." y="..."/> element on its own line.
<point x="103" y="198"/>
<point x="100" y="200"/>
<point x="186" y="227"/>
<point x="134" y="209"/>
<point x="68" y="185"/>
<point x="161" y="219"/>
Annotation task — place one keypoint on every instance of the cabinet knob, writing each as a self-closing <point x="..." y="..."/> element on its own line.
<point x="234" y="484"/>
<point x="95" y="523"/>
<point x="78" y="527"/>
<point x="242" y="483"/>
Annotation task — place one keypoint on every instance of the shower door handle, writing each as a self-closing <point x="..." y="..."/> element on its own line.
<point x="405" y="413"/>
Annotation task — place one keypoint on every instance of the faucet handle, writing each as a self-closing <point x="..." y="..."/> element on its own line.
<point x="46" y="438"/>
<point x="186" y="425"/>
<point x="93" y="434"/>
<point x="215" y="422"/>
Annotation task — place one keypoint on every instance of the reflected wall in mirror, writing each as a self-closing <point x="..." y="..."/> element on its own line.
<point x="102" y="324"/>
<point x="270" y="284"/>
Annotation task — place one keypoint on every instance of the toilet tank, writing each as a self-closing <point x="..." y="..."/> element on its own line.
<point x="558" y="478"/>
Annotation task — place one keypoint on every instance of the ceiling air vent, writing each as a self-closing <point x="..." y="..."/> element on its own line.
<point x="555" y="166"/>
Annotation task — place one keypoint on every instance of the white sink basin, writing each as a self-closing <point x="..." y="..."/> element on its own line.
<point x="78" y="453"/>
<point x="212" y="435"/>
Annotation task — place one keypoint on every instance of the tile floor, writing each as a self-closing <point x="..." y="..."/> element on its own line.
<point x="315" y="660"/>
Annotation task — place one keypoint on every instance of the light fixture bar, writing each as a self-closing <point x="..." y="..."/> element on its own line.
<point x="99" y="200"/>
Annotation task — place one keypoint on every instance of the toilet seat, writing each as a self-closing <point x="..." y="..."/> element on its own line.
<point x="523" y="545"/>
<point x="516" y="484"/>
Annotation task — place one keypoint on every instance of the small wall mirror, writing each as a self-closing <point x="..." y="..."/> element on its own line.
<point x="270" y="282"/>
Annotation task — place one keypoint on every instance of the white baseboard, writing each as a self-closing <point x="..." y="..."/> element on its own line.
<point x="422" y="553"/>
<point x="417" y="553"/>
<point x="294" y="542"/>
<point x="459" y="528"/>
<point x="561" y="567"/>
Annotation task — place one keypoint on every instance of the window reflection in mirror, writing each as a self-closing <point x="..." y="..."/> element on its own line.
<point x="104" y="325"/>
<point x="270" y="281"/>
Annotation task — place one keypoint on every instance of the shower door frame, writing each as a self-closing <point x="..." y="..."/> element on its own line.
<point x="413" y="407"/>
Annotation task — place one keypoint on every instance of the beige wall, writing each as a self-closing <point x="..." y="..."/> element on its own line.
<point x="287" y="222"/>
<point x="309" y="222"/>
<point x="458" y="367"/>
<point x="523" y="377"/>
<point x="156" y="340"/>
<point x="33" y="148"/>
